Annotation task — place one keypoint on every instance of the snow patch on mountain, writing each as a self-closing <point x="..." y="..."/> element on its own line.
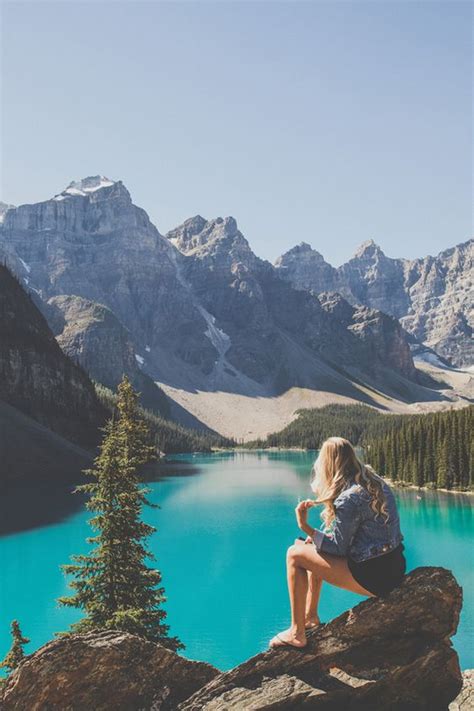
<point x="219" y="339"/>
<point x="25" y="265"/>
<point x="85" y="186"/>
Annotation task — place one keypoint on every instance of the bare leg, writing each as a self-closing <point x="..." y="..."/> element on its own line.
<point x="300" y="560"/>
<point x="312" y="600"/>
<point x="298" y="590"/>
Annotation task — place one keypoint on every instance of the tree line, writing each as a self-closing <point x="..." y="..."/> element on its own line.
<point x="167" y="436"/>
<point x="433" y="449"/>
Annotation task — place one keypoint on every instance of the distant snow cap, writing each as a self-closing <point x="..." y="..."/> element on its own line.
<point x="85" y="186"/>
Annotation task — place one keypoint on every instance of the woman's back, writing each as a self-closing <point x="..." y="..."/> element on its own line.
<point x="375" y="533"/>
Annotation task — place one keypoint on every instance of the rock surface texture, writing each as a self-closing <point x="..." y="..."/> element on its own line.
<point x="433" y="296"/>
<point x="271" y="327"/>
<point x="390" y="653"/>
<point x="465" y="700"/>
<point x="107" y="670"/>
<point x="92" y="335"/>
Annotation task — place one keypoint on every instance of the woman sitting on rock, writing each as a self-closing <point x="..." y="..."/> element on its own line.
<point x="361" y="548"/>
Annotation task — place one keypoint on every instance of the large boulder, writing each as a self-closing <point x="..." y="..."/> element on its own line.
<point x="391" y="653"/>
<point x="101" y="671"/>
<point x="385" y="653"/>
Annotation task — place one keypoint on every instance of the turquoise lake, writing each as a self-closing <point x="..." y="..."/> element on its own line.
<point x="224" y="525"/>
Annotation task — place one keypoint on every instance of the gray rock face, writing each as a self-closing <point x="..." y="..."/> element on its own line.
<point x="441" y="293"/>
<point x="432" y="297"/>
<point x="382" y="333"/>
<point x="200" y="308"/>
<point x="307" y="269"/>
<point x="392" y="653"/>
<point x="258" y="311"/>
<point x="91" y="241"/>
<point x="92" y="335"/>
<point x="36" y="377"/>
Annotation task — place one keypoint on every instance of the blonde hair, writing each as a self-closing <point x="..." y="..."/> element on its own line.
<point x="336" y="467"/>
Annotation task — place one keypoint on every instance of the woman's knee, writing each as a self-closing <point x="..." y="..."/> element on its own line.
<point x="295" y="555"/>
<point x="292" y="553"/>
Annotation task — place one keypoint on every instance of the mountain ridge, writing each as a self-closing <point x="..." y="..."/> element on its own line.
<point x="431" y="296"/>
<point x="202" y="312"/>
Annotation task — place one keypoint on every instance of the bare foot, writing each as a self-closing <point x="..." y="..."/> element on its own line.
<point x="288" y="638"/>
<point x="312" y="622"/>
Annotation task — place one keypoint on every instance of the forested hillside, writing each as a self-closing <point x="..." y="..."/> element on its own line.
<point x="168" y="436"/>
<point x="435" y="449"/>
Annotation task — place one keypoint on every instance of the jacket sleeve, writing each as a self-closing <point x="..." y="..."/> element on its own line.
<point x="339" y="538"/>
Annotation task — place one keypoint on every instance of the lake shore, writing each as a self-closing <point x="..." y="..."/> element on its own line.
<point x="403" y="485"/>
<point x="395" y="483"/>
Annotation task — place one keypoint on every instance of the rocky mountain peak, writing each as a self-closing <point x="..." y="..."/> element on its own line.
<point x="229" y="224"/>
<point x="88" y="185"/>
<point x="302" y="251"/>
<point x="191" y="227"/>
<point x="306" y="269"/>
<point x="368" y="250"/>
<point x="199" y="236"/>
<point x="304" y="247"/>
<point x="432" y="296"/>
<point x="95" y="187"/>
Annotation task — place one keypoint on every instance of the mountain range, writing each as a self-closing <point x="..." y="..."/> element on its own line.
<point x="207" y="331"/>
<point x="432" y="297"/>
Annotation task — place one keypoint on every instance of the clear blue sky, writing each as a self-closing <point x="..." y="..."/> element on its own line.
<point x="328" y="122"/>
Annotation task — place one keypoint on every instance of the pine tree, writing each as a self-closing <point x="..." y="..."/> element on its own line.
<point x="113" y="584"/>
<point x="16" y="653"/>
<point x="470" y="470"/>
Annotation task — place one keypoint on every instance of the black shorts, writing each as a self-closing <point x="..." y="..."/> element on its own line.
<point x="381" y="574"/>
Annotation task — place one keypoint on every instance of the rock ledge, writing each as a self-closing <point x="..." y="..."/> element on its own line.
<point x="390" y="653"/>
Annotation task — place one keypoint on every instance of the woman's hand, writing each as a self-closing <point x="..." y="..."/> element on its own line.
<point x="301" y="512"/>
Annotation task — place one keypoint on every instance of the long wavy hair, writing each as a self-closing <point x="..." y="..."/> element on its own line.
<point x="336" y="467"/>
